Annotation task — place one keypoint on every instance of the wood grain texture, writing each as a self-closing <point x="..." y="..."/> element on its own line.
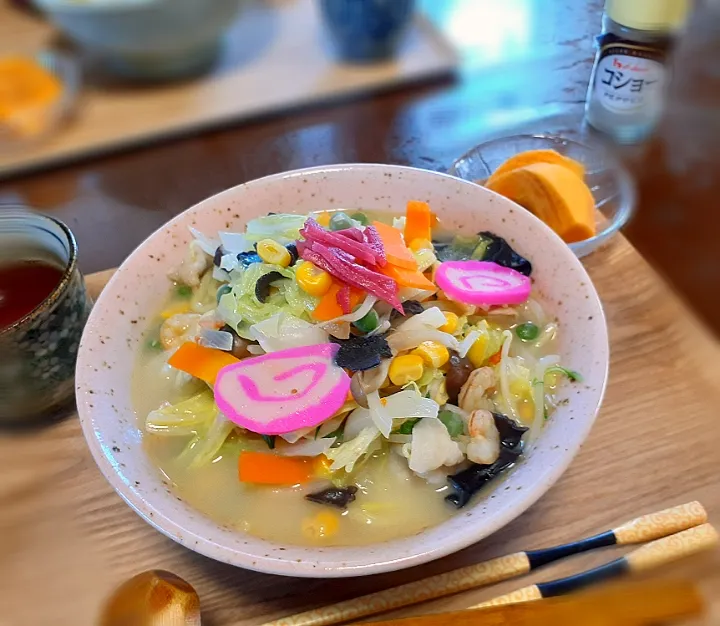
<point x="654" y="446"/>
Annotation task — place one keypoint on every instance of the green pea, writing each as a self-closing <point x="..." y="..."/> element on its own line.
<point x="361" y="217"/>
<point x="527" y="331"/>
<point x="183" y="291"/>
<point x="222" y="291"/>
<point x="340" y="221"/>
<point x="368" y="322"/>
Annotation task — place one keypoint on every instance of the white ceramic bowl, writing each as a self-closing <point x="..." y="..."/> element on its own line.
<point x="148" y="39"/>
<point x="137" y="290"/>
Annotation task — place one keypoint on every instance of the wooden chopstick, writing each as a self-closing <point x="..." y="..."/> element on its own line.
<point x="634" y="604"/>
<point x="639" y="530"/>
<point x="650" y="556"/>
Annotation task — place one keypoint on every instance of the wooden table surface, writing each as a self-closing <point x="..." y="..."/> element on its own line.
<point x="66" y="538"/>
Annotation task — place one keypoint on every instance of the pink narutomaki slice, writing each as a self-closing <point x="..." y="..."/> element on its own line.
<point x="482" y="283"/>
<point x="313" y="232"/>
<point x="338" y="263"/>
<point x="283" y="391"/>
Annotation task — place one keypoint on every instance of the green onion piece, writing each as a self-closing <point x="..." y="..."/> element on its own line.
<point x="407" y="426"/>
<point x="154" y="344"/>
<point x="360" y="217"/>
<point x="575" y="377"/>
<point x="338" y="433"/>
<point x="269" y="440"/>
<point x="183" y="291"/>
<point x="222" y="290"/>
<point x="453" y="422"/>
<point x="527" y="331"/>
<point x="340" y="221"/>
<point x="368" y="322"/>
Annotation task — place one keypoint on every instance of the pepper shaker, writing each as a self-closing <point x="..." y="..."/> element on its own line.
<point x="627" y="88"/>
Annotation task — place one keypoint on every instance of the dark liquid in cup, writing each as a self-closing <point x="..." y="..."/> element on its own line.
<point x="23" y="286"/>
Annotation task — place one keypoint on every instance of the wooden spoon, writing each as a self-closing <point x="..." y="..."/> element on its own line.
<point x="153" y="598"/>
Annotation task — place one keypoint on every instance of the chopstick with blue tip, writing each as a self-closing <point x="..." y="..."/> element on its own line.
<point x="640" y="530"/>
<point x="650" y="556"/>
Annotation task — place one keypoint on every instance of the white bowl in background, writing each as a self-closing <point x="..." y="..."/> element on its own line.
<point x="148" y="39"/>
<point x="115" y="332"/>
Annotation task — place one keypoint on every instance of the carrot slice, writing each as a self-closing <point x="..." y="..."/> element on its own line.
<point x="396" y="251"/>
<point x="418" y="221"/>
<point x="408" y="278"/>
<point x="201" y="362"/>
<point x="328" y="308"/>
<point x="264" y="468"/>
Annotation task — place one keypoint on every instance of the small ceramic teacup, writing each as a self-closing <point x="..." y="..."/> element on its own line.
<point x="38" y="340"/>
<point x="366" y="31"/>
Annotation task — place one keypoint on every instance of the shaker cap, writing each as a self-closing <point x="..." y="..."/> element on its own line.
<point x="653" y="15"/>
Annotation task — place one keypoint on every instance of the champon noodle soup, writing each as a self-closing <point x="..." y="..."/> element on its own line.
<point x="345" y="377"/>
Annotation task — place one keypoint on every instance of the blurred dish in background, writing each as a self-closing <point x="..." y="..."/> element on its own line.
<point x="542" y="192"/>
<point x="36" y="95"/>
<point x="146" y="39"/>
<point x="366" y="31"/>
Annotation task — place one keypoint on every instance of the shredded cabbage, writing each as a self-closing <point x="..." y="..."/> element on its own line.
<point x="204" y="447"/>
<point x="283" y="331"/>
<point x="408" y="403"/>
<point x="431" y="317"/>
<point x="207" y="244"/>
<point x="425" y="259"/>
<point x="400" y="341"/>
<point x="241" y="309"/>
<point x="197" y="416"/>
<point x="234" y="243"/>
<point x="282" y="227"/>
<point x="183" y="418"/>
<point x="346" y="455"/>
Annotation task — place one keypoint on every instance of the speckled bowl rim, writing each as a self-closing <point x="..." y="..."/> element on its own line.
<point x="334" y="562"/>
<point x="59" y="291"/>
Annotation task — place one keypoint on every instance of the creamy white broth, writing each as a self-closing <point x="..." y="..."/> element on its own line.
<point x="391" y="502"/>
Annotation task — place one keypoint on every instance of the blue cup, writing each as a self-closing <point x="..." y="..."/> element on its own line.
<point x="366" y="31"/>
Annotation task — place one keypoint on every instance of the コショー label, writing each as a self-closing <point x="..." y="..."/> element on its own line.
<point x="629" y="76"/>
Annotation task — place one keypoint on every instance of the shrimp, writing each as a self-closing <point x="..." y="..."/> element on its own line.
<point x="178" y="329"/>
<point x="192" y="267"/>
<point x="484" y="446"/>
<point x="472" y="393"/>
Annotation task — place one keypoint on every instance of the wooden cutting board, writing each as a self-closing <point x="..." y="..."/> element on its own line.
<point x="66" y="538"/>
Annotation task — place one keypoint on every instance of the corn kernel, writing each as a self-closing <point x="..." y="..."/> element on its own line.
<point x="313" y="280"/>
<point x="406" y="369"/>
<point x="324" y="219"/>
<point x="175" y="309"/>
<point x="476" y="354"/>
<point x="451" y="322"/>
<point x="322" y="525"/>
<point x="421" y="244"/>
<point x="272" y="252"/>
<point x="322" y="467"/>
<point x="433" y="353"/>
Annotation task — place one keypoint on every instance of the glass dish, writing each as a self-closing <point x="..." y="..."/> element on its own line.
<point x="611" y="185"/>
<point x="45" y="118"/>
